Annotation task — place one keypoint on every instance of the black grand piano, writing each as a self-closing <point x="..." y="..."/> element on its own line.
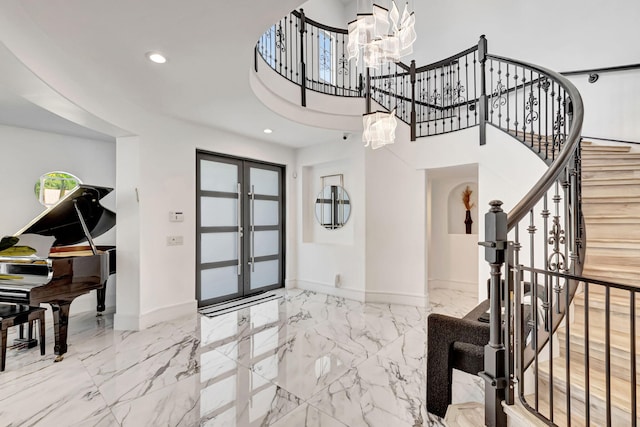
<point x="69" y="271"/>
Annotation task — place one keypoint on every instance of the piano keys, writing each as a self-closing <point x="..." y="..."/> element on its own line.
<point x="69" y="271"/>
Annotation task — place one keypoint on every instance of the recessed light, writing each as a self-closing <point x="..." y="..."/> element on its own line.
<point x="267" y="131"/>
<point x="156" y="57"/>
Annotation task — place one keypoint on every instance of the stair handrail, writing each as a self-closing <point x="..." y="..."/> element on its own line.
<point x="520" y="210"/>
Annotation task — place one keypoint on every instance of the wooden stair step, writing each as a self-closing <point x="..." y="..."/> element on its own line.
<point x="613" y="243"/>
<point x="608" y="166"/>
<point x="613" y="257"/>
<point x="613" y="219"/>
<point x="625" y="254"/>
<point x="588" y="147"/>
<point x="628" y="159"/>
<point x="591" y="210"/>
<point x="597" y="294"/>
<point x="608" y="199"/>
<point x="619" y="343"/>
<point x="559" y="415"/>
<point x="590" y="155"/>
<point x="619" y="359"/>
<point x="587" y="184"/>
<point x="611" y="190"/>
<point x="588" y="174"/>
<point x="619" y="229"/>
<point x="620" y="391"/>
<point x="620" y="260"/>
<point x="609" y="278"/>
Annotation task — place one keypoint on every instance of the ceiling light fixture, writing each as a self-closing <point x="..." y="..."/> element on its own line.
<point x="382" y="36"/>
<point x="267" y="131"/>
<point x="379" y="128"/>
<point x="156" y="57"/>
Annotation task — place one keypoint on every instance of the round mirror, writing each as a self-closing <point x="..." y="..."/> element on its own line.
<point x="332" y="207"/>
<point x="52" y="186"/>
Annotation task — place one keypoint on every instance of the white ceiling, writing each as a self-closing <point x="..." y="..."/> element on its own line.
<point x="95" y="43"/>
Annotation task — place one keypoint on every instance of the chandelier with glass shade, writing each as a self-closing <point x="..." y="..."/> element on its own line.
<point x="380" y="37"/>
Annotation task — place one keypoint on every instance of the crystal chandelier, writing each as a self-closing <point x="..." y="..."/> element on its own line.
<point x="379" y="128"/>
<point x="382" y="35"/>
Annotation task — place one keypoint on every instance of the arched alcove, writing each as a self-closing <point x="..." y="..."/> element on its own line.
<point x="456" y="210"/>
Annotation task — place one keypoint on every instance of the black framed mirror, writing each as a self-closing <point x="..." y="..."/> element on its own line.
<point x="333" y="207"/>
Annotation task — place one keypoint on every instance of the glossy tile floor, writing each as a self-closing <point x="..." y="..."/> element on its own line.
<point x="306" y="359"/>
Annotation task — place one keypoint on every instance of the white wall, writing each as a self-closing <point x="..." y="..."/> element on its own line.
<point x="611" y="105"/>
<point x="396" y="238"/>
<point x="26" y="155"/>
<point x="165" y="181"/>
<point x="322" y="254"/>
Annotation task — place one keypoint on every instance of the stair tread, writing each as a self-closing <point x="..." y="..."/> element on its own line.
<point x="609" y="268"/>
<point x="620" y="388"/>
<point x="618" y="340"/>
<point x="588" y="146"/>
<point x="589" y="155"/>
<point x="606" y="181"/>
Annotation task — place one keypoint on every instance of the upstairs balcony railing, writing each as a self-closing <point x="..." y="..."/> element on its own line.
<point x="541" y="241"/>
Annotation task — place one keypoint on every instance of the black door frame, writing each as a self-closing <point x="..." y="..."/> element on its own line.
<point x="244" y="279"/>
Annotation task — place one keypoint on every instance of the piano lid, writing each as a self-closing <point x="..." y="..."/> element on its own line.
<point x="61" y="220"/>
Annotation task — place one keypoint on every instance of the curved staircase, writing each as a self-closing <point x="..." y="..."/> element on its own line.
<point x="611" y="206"/>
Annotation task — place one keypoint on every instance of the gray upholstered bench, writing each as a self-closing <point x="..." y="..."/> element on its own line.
<point x="453" y="343"/>
<point x="12" y="315"/>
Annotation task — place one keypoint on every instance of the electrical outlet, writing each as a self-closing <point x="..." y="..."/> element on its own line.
<point x="175" y="240"/>
<point x="336" y="280"/>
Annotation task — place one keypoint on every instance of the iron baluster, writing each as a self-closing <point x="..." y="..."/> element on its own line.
<point x="545" y="219"/>
<point x="303" y="66"/>
<point x="413" y="120"/>
<point x="587" y="385"/>
<point x="607" y="352"/>
<point x="482" y="56"/>
<point x="632" y="346"/>
<point x="567" y="325"/>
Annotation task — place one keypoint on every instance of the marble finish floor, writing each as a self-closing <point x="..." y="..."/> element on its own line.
<point x="306" y="359"/>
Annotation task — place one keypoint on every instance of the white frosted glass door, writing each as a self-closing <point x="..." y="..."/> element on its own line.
<point x="219" y="239"/>
<point x="266" y="224"/>
<point x="240" y="229"/>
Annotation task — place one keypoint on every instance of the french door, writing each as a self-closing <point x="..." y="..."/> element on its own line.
<point x="240" y="228"/>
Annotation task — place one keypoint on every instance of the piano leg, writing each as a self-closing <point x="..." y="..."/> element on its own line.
<point x="60" y="322"/>
<point x="101" y="296"/>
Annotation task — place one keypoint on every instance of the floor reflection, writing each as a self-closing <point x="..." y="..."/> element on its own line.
<point x="305" y="359"/>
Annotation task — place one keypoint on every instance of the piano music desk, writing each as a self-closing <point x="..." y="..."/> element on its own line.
<point x="13" y="315"/>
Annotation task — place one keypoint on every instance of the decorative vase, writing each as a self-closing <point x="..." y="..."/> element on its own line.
<point x="467" y="222"/>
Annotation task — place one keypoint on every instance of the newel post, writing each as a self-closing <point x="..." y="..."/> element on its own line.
<point x="495" y="234"/>
<point x="482" y="56"/>
<point x="303" y="65"/>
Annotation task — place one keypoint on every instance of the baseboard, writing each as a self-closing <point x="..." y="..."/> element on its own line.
<point x="354" y="294"/>
<point x="135" y="323"/>
<point x="396" y="298"/>
<point x="453" y="284"/>
<point x="364" y="296"/>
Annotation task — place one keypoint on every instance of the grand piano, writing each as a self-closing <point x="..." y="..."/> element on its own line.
<point x="68" y="271"/>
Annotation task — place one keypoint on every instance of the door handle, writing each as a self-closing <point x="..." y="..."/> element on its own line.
<point x="239" y="219"/>
<point x="253" y="228"/>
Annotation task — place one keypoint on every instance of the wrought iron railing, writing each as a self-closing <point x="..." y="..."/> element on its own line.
<point x="597" y="403"/>
<point x="541" y="240"/>
<point x="311" y="55"/>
